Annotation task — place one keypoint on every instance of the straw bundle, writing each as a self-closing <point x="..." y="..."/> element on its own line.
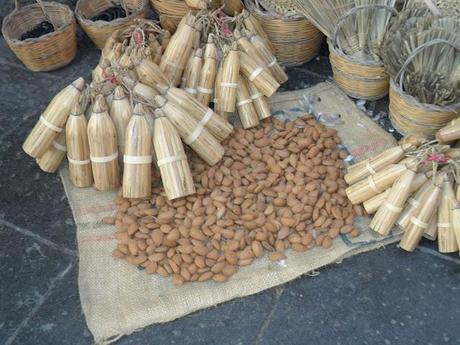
<point x="208" y="73"/>
<point x="52" y="120"/>
<point x="78" y="155"/>
<point x="219" y="127"/>
<point x="178" y="51"/>
<point x="192" y="132"/>
<point x="192" y="76"/>
<point x="137" y="175"/>
<point x="229" y="81"/>
<point x="47" y="52"/>
<point x="260" y="102"/>
<point x="217" y="93"/>
<point x="171" y="159"/>
<point x="100" y="31"/>
<point x="52" y="158"/>
<point x="246" y="46"/>
<point x="120" y="112"/>
<point x="262" y="79"/>
<point x="188" y="66"/>
<point x="449" y="133"/>
<point x="102" y="137"/>
<point x="375" y="184"/>
<point x="253" y="25"/>
<point x="431" y="232"/>
<point x="391" y="208"/>
<point x="447" y="242"/>
<point x="456" y="222"/>
<point x="420" y="221"/>
<point x="246" y="110"/>
<point x="150" y="74"/>
<point x="140" y="90"/>
<point x="269" y="59"/>
<point x="373" y="204"/>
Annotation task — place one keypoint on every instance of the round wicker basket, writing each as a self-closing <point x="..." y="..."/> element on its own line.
<point x="294" y="38"/>
<point x="99" y="31"/>
<point x="47" y="52"/>
<point x="170" y="12"/>
<point x="409" y="116"/>
<point x="358" y="79"/>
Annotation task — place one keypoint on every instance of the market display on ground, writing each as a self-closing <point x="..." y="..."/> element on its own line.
<point x="176" y="118"/>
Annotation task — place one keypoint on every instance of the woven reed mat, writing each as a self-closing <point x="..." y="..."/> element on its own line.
<point x="118" y="299"/>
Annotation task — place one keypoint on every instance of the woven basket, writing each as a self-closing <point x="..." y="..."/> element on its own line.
<point x="170" y="12"/>
<point x="409" y="116"/>
<point x="50" y="51"/>
<point x="294" y="38"/>
<point x="100" y="31"/>
<point x="358" y="78"/>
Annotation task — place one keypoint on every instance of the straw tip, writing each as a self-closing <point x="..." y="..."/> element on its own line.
<point x="79" y="83"/>
<point x="76" y="110"/>
<point x="162" y="88"/>
<point x="139" y="110"/>
<point x="100" y="104"/>
<point x="119" y="93"/>
<point x="159" y="101"/>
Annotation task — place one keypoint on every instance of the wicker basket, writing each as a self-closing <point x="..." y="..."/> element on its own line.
<point x="294" y="38"/>
<point x="170" y="12"/>
<point x="100" y="31"/>
<point x="358" y="78"/>
<point x="407" y="114"/>
<point x="50" y="51"/>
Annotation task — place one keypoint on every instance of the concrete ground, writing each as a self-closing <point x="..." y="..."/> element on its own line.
<point x="383" y="297"/>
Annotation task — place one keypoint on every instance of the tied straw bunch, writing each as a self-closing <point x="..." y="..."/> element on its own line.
<point x="150" y="93"/>
<point x="414" y="186"/>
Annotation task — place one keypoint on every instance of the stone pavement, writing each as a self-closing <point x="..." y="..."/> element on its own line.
<point x="383" y="297"/>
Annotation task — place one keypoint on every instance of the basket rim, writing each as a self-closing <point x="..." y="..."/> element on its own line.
<point x="101" y="23"/>
<point x="47" y="37"/>
<point x="270" y="15"/>
<point x="454" y="107"/>
<point x="351" y="60"/>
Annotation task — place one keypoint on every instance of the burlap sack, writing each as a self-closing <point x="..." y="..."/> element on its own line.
<point x="118" y="299"/>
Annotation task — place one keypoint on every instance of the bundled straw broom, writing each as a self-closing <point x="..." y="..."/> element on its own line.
<point x="78" y="154"/>
<point x="53" y="120"/>
<point x="171" y="159"/>
<point x="120" y="112"/>
<point x="208" y="73"/>
<point x="52" y="158"/>
<point x="246" y="110"/>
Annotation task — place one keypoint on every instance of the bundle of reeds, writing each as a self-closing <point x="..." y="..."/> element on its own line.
<point x="120" y="112"/>
<point x="421" y="200"/>
<point x="246" y="110"/>
<point x="53" y="120"/>
<point x="53" y="157"/>
<point x="421" y="52"/>
<point x="102" y="137"/>
<point x="78" y="153"/>
<point x="137" y="159"/>
<point x="208" y="73"/>
<point x="192" y="74"/>
<point x="171" y="159"/>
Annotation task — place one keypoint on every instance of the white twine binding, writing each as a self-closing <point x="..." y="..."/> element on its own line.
<point x="256" y="73"/>
<point x="50" y="125"/>
<point x="77" y="162"/>
<point x="256" y="95"/>
<point x="173" y="64"/>
<point x="191" y="91"/>
<point x="172" y="159"/>
<point x="244" y="102"/>
<point x="230" y="85"/>
<point x="393" y="208"/>
<point x="105" y="159"/>
<point x="444" y="225"/>
<point x="273" y="63"/>
<point x="206" y="91"/>
<point x="59" y="147"/>
<point x="373" y="185"/>
<point x="199" y="128"/>
<point x="137" y="159"/>
<point x="414" y="203"/>
<point x="419" y="223"/>
<point x="370" y="168"/>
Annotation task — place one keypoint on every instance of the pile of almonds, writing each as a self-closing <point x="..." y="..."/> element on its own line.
<point x="279" y="186"/>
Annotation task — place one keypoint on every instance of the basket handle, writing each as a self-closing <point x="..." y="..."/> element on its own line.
<point x="352" y="12"/>
<point x="415" y="52"/>
<point x="18" y="6"/>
